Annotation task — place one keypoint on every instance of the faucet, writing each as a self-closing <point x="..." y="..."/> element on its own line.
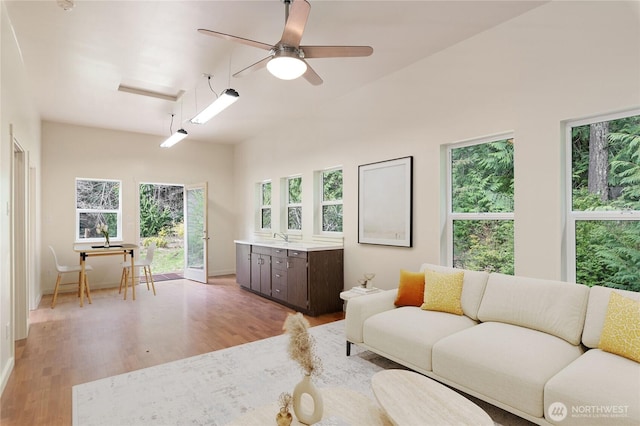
<point x="284" y="236"/>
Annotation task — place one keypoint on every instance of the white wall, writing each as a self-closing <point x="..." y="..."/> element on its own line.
<point x="73" y="151"/>
<point x="17" y="112"/>
<point x="561" y="61"/>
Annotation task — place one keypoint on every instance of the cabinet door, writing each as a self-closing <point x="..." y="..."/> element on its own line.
<point x="297" y="282"/>
<point x="256" y="267"/>
<point x="265" y="275"/>
<point x="243" y="265"/>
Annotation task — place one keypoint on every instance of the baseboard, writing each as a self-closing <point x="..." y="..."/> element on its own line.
<point x="222" y="272"/>
<point x="6" y="373"/>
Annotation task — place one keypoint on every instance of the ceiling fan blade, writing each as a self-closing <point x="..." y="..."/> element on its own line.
<point x="245" y="41"/>
<point x="294" y="27"/>
<point x="254" y="67"/>
<point x="311" y="76"/>
<point x="336" y="51"/>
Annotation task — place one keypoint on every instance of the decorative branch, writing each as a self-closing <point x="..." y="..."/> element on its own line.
<point x="302" y="344"/>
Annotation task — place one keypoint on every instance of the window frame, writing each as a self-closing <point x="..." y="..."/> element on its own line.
<point x="78" y="212"/>
<point x="450" y="215"/>
<point x="571" y="216"/>
<point x="321" y="202"/>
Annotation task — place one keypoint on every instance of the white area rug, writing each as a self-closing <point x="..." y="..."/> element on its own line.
<point x="217" y="387"/>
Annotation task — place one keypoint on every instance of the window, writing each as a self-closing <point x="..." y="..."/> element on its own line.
<point x="330" y="197"/>
<point x="98" y="201"/>
<point x="480" y="214"/>
<point x="265" y="205"/>
<point x="294" y="203"/>
<point x="603" y="187"/>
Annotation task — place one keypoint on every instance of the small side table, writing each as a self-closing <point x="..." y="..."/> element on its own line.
<point x="350" y="294"/>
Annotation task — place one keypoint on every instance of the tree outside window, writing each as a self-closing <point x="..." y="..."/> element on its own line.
<point x="604" y="213"/>
<point x="265" y="205"/>
<point x="98" y="201"/>
<point x="331" y="200"/>
<point x="480" y="217"/>
<point x="294" y="203"/>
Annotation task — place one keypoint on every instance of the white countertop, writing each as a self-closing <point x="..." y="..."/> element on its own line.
<point x="292" y="245"/>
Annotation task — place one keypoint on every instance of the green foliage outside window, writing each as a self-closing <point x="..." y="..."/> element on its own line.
<point x="294" y="213"/>
<point x="482" y="178"/>
<point x="607" y="251"/>
<point x="265" y="210"/>
<point x="161" y="209"/>
<point x="332" y="201"/>
<point x="482" y="182"/>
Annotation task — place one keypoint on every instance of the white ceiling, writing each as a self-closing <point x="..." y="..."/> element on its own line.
<point x="75" y="60"/>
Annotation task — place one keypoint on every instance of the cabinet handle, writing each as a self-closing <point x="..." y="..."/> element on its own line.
<point x="295" y="253"/>
<point x="277" y="290"/>
<point x="278" y="275"/>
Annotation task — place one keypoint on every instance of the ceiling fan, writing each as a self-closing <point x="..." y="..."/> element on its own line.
<point x="286" y="58"/>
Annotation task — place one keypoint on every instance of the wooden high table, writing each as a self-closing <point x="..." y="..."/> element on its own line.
<point x="87" y="250"/>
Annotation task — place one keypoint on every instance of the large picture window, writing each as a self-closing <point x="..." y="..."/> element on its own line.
<point x="603" y="186"/>
<point x="98" y="201"/>
<point x="330" y="197"/>
<point x="480" y="199"/>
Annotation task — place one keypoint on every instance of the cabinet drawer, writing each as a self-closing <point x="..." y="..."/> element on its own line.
<point x="279" y="263"/>
<point x="298" y="253"/>
<point x="261" y="250"/>
<point x="280" y="252"/>
<point x="279" y="285"/>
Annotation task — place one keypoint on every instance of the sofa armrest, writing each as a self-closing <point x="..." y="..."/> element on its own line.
<point x="363" y="307"/>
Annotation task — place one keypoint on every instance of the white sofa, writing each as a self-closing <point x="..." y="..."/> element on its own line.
<point x="528" y="346"/>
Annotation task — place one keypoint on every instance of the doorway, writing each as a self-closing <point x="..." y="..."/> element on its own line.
<point x="20" y="240"/>
<point x="162" y="222"/>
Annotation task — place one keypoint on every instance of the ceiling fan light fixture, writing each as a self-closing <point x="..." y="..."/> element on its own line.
<point x="286" y="65"/>
<point x="226" y="98"/>
<point x="174" y="138"/>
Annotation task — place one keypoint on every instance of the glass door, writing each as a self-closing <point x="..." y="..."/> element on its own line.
<point x="196" y="238"/>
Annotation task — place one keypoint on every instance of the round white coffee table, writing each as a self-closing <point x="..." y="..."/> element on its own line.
<point x="341" y="407"/>
<point x="410" y="398"/>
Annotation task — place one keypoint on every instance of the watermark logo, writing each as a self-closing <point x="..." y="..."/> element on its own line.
<point x="558" y="411"/>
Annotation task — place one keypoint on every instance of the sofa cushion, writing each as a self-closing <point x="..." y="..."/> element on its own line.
<point x="508" y="363"/>
<point x="410" y="289"/>
<point x="442" y="291"/>
<point x="554" y="307"/>
<point x="473" y="285"/>
<point x="409" y="333"/>
<point x="596" y="389"/>
<point x="621" y="329"/>
<point x="597" y="310"/>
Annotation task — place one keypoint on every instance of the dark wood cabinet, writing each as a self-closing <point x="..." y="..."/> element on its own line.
<point x="298" y="289"/>
<point x="307" y="281"/>
<point x="279" y="274"/>
<point x="261" y="270"/>
<point x="243" y="265"/>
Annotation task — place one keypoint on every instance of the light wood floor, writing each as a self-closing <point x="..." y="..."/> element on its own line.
<point x="70" y="345"/>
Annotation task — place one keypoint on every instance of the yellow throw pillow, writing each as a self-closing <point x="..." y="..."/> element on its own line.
<point x="442" y="292"/>
<point x="621" y="329"/>
<point x="410" y="289"/>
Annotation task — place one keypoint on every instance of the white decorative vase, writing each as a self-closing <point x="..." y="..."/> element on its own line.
<point x="306" y="386"/>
